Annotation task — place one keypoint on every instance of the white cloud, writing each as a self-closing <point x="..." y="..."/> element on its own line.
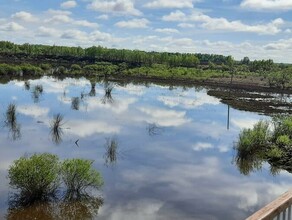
<point x="171" y="4"/>
<point x="282" y="44"/>
<point x="118" y="106"/>
<point x="24" y="16"/>
<point x="58" y="12"/>
<point x="179" y="42"/>
<point x="164" y="117"/>
<point x="186" y="25"/>
<point x="202" y="146"/>
<point x="134" y="23"/>
<point x="69" y="4"/>
<point x="85" y="23"/>
<point x="222" y="24"/>
<point x="103" y="17"/>
<point x="11" y="26"/>
<point x="75" y="34"/>
<point x="167" y="30"/>
<point x="132" y="89"/>
<point x="267" y="4"/>
<point x="83" y="128"/>
<point x="33" y="110"/>
<point x="188" y="101"/>
<point x="98" y="36"/>
<point x="244" y="123"/>
<point x="59" y="18"/>
<point x="47" y="32"/>
<point x="122" y="7"/>
<point x="175" y="16"/>
<point x="237" y="26"/>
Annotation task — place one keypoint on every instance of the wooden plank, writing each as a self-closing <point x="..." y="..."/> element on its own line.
<point x="274" y="208"/>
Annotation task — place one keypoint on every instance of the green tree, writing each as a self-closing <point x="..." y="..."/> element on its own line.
<point x="78" y="175"/>
<point x="37" y="177"/>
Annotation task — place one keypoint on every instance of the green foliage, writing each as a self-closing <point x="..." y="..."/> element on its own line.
<point x="275" y="152"/>
<point x="45" y="66"/>
<point x="282" y="127"/>
<point x="75" y="67"/>
<point x="99" y="60"/>
<point x="29" y="69"/>
<point x="283" y="140"/>
<point x="267" y="141"/>
<point x="78" y="175"/>
<point x="6" y="69"/>
<point x="253" y="140"/>
<point x="61" y="70"/>
<point x="36" y="177"/>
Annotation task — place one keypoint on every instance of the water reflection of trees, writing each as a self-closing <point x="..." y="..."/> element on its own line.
<point x="92" y="90"/>
<point x="11" y="122"/>
<point x="107" y="97"/>
<point x="83" y="207"/>
<point x="37" y="181"/>
<point x="154" y="129"/>
<point x="37" y="91"/>
<point x="111" y="153"/>
<point x="75" y="103"/>
<point x="27" y="85"/>
<point x="56" y="128"/>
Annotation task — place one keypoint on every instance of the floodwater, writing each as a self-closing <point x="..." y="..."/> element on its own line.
<point x="172" y="157"/>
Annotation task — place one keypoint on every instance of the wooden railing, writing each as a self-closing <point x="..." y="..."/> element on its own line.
<point x="279" y="209"/>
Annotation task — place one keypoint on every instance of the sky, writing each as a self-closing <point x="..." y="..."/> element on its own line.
<point x="259" y="29"/>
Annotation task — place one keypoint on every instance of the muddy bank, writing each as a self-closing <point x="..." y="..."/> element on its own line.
<point x="248" y="84"/>
<point x="265" y="103"/>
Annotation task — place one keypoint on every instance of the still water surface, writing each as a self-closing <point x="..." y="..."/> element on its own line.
<point x="174" y="157"/>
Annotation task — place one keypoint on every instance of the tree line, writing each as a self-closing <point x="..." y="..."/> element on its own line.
<point x="137" y="58"/>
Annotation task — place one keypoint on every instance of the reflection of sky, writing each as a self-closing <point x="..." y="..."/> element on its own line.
<point x="184" y="172"/>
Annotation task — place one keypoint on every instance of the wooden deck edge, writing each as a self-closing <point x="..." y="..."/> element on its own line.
<point x="274" y="208"/>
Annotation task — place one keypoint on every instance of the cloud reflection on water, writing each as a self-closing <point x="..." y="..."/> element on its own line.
<point x="162" y="176"/>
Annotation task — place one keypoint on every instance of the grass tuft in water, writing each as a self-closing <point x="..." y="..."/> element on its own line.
<point x="56" y="128"/>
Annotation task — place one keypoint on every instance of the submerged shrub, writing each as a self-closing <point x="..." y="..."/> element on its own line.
<point x="37" y="177"/>
<point x="282" y="126"/>
<point x="78" y="175"/>
<point x="266" y="142"/>
<point x="253" y="140"/>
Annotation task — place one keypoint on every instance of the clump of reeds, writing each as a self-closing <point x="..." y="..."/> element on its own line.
<point x="75" y="103"/>
<point x="107" y="98"/>
<point x="56" y="128"/>
<point x="11" y="121"/>
<point x="37" y="92"/>
<point x="111" y="151"/>
<point x="27" y="85"/>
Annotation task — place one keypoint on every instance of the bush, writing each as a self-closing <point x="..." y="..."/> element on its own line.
<point x="78" y="175"/>
<point x="253" y="140"/>
<point x="45" y="66"/>
<point x="75" y="67"/>
<point x="282" y="126"/>
<point x="37" y="177"/>
<point x="29" y="69"/>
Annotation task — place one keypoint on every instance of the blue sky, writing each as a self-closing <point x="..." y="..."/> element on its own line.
<point x="259" y="29"/>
